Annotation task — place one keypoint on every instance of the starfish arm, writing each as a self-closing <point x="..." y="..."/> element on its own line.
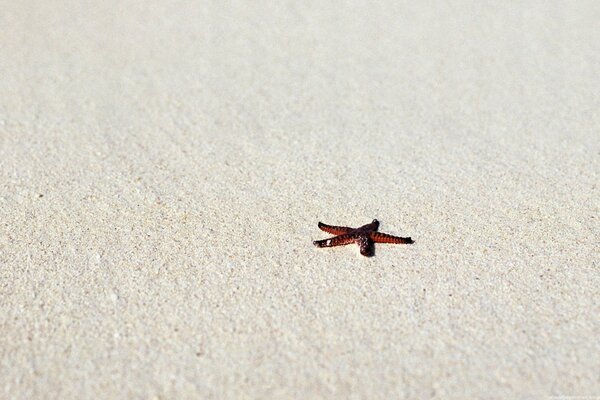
<point x="366" y="246"/>
<point x="336" y="241"/>
<point x="379" y="237"/>
<point x="334" y="230"/>
<point x="373" y="226"/>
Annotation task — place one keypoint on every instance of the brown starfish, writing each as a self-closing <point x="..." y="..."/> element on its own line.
<point x="365" y="237"/>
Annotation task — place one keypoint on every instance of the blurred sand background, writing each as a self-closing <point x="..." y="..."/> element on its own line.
<point x="163" y="166"/>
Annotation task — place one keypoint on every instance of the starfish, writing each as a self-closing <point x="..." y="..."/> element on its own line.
<point x="364" y="236"/>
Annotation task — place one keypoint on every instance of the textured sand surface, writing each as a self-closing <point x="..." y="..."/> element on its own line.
<point x="163" y="167"/>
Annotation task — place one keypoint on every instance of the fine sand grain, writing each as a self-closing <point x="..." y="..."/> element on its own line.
<point x="163" y="167"/>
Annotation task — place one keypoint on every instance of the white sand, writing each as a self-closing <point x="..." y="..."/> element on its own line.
<point x="185" y="154"/>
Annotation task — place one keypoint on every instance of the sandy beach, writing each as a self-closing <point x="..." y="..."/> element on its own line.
<point x="164" y="165"/>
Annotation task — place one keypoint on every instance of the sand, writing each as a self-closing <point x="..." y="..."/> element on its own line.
<point x="163" y="167"/>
